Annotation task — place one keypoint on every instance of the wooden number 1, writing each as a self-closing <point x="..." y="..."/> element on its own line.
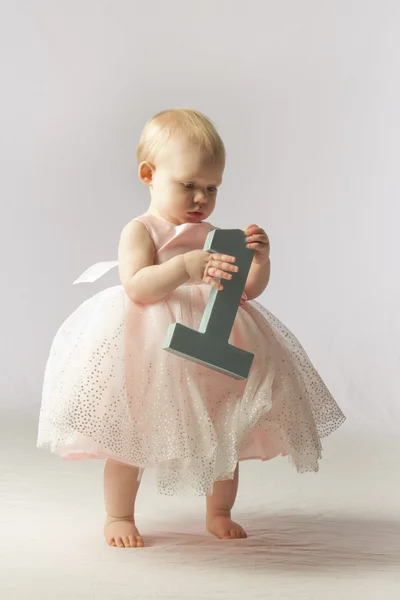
<point x="210" y="344"/>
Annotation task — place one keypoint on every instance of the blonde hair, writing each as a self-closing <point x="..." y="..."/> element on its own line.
<point x="195" y="125"/>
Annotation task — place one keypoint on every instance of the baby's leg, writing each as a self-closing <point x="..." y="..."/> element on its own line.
<point x="120" y="488"/>
<point x="219" y="507"/>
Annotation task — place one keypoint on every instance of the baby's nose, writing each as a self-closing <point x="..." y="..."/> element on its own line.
<point x="201" y="197"/>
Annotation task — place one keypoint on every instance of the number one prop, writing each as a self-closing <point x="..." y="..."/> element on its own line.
<point x="209" y="345"/>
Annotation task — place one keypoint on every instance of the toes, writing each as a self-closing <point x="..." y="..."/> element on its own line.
<point x="236" y="534"/>
<point x="128" y="541"/>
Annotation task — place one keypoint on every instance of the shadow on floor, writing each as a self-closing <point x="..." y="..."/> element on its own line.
<point x="293" y="542"/>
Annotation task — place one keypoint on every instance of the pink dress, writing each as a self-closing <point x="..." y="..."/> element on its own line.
<point x="110" y="390"/>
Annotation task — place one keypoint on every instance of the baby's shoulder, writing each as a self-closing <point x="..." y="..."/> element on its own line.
<point x="137" y="224"/>
<point x="135" y="230"/>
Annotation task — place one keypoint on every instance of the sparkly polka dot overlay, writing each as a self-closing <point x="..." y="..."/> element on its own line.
<point x="111" y="391"/>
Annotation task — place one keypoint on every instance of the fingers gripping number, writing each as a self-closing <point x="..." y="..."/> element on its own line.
<point x="220" y="267"/>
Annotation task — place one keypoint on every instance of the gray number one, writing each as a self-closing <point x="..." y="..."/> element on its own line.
<point x="210" y="344"/>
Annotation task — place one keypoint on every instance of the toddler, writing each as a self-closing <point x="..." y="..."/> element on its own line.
<point x="112" y="392"/>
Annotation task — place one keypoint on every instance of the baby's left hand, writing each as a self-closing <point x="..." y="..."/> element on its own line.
<point x="257" y="239"/>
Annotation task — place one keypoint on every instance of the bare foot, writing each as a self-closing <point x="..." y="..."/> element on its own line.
<point x="224" y="528"/>
<point x="122" y="533"/>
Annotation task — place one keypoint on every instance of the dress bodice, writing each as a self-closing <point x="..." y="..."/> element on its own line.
<point x="170" y="240"/>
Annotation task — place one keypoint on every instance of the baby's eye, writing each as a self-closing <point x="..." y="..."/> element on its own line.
<point x="213" y="189"/>
<point x="189" y="186"/>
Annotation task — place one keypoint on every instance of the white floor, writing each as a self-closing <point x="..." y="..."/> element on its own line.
<point x="331" y="535"/>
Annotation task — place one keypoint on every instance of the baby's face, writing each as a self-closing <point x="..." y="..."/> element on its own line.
<point x="185" y="182"/>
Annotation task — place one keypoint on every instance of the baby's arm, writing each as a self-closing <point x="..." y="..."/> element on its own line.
<point x="143" y="281"/>
<point x="146" y="283"/>
<point x="260" y="271"/>
<point x="257" y="279"/>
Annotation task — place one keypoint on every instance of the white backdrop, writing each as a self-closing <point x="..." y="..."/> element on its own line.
<point x="306" y="96"/>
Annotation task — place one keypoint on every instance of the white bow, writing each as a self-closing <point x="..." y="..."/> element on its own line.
<point x="96" y="271"/>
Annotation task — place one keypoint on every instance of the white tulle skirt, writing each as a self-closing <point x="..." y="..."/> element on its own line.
<point x="111" y="391"/>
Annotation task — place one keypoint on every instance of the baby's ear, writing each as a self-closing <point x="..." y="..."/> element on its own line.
<point x="146" y="172"/>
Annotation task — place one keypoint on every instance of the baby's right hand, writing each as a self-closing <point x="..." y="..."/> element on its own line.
<point x="207" y="267"/>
